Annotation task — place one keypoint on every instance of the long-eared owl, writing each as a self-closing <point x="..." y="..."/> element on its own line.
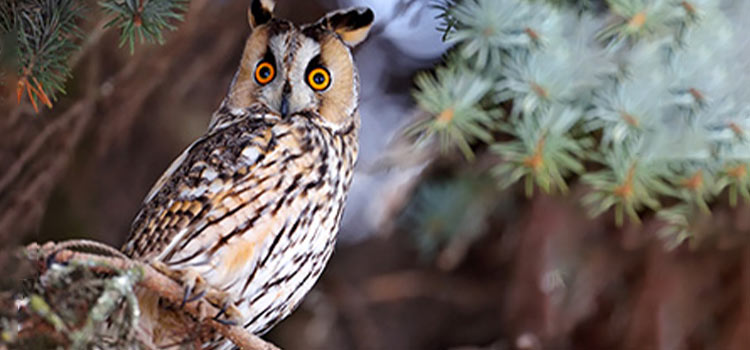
<point x="250" y="211"/>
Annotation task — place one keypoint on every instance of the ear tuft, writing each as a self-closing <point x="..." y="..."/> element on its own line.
<point x="352" y="25"/>
<point x="260" y="12"/>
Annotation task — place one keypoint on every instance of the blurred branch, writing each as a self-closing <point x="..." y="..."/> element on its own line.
<point x="37" y="143"/>
<point x="152" y="280"/>
<point x="30" y="177"/>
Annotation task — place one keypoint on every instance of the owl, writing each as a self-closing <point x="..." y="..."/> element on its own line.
<point x="248" y="214"/>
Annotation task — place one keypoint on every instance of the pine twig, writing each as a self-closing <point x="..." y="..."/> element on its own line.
<point x="154" y="281"/>
<point x="46" y="32"/>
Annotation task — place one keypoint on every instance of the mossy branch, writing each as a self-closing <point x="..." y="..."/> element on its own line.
<point x="143" y="275"/>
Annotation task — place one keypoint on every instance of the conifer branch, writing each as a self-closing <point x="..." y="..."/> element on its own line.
<point x="143" y="20"/>
<point x="46" y="34"/>
<point x="653" y="92"/>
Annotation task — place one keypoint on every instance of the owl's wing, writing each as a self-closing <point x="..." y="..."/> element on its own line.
<point x="241" y="197"/>
<point x="202" y="185"/>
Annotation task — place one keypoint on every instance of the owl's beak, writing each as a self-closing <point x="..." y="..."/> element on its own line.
<point x="284" y="107"/>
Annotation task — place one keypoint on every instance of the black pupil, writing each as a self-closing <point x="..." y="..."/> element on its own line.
<point x="319" y="78"/>
<point x="265" y="72"/>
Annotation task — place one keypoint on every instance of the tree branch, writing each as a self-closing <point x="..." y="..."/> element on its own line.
<point x="154" y="281"/>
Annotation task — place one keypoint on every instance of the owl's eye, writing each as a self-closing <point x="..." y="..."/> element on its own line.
<point x="319" y="79"/>
<point x="264" y="72"/>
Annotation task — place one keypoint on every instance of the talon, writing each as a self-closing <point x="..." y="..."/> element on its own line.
<point x="231" y="315"/>
<point x="188" y="297"/>
<point x="222" y="311"/>
<point x="185" y="297"/>
<point x="226" y="322"/>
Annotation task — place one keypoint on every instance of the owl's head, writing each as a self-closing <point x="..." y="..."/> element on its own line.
<point x="293" y="70"/>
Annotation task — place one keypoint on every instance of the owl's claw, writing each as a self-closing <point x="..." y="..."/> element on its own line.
<point x="231" y="315"/>
<point x="228" y="322"/>
<point x="189" y="297"/>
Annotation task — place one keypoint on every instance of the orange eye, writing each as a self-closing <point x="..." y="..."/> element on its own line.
<point x="264" y="73"/>
<point x="319" y="79"/>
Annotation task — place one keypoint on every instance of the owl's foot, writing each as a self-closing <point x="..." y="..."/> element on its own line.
<point x="196" y="288"/>
<point x="194" y="285"/>
<point x="228" y="313"/>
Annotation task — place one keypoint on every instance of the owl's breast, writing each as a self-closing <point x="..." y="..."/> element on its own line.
<point x="271" y="232"/>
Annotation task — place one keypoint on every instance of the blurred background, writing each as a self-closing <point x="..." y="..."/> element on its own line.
<point x="431" y="255"/>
